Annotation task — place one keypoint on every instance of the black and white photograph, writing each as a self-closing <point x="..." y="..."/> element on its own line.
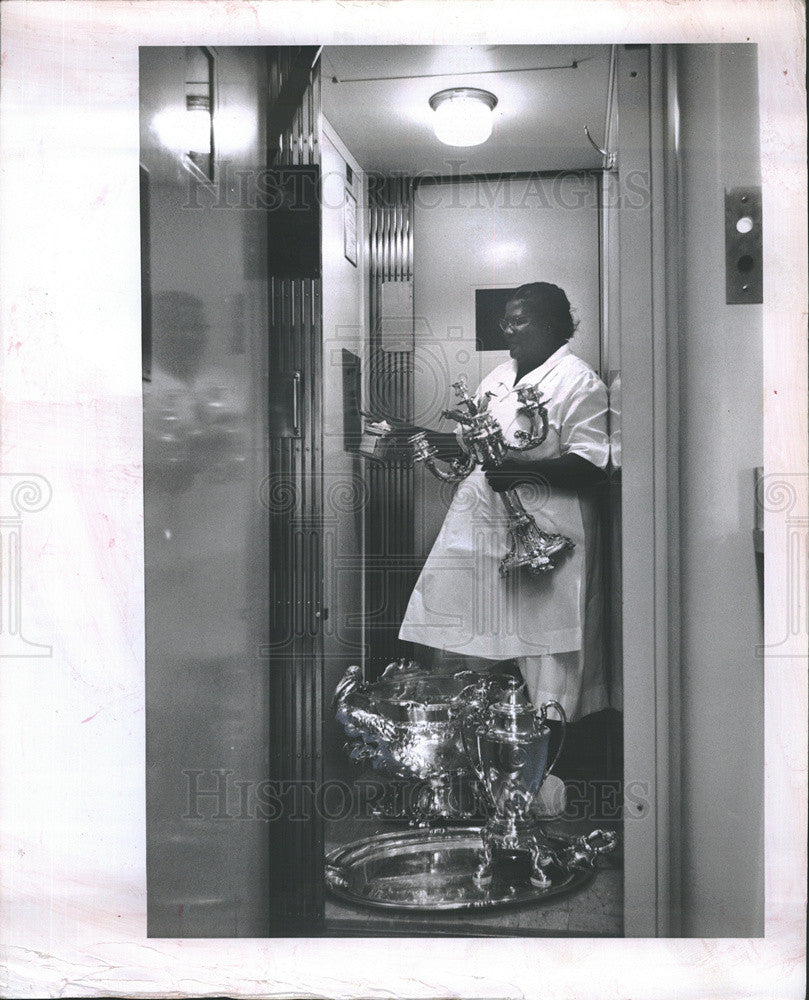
<point x="405" y="492"/>
<point x="411" y="625"/>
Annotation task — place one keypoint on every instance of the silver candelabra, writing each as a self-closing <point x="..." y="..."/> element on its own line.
<point x="486" y="444"/>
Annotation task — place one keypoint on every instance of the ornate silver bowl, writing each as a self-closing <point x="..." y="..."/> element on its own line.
<point x="408" y="725"/>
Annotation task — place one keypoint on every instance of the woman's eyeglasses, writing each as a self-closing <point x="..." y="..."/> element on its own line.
<point x="509" y="324"/>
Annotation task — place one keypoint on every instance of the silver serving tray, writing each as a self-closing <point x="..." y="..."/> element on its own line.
<point x="432" y="870"/>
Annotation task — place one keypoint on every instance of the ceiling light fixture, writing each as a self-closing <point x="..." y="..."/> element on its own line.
<point x="463" y="115"/>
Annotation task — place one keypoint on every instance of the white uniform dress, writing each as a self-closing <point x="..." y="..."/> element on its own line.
<point x="551" y="622"/>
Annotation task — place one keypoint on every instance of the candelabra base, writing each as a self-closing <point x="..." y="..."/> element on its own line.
<point x="508" y="837"/>
<point x="530" y="546"/>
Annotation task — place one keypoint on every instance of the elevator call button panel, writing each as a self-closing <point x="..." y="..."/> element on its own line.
<point x="743" y="246"/>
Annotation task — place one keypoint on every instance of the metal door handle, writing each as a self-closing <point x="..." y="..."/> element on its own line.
<point x="296" y="381"/>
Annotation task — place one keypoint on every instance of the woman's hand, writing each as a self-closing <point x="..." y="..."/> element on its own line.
<point x="398" y="433"/>
<point x="509" y="474"/>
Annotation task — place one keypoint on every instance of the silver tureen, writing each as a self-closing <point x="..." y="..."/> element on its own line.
<point x="408" y="723"/>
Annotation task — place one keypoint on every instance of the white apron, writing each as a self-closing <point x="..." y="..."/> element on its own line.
<point x="461" y="603"/>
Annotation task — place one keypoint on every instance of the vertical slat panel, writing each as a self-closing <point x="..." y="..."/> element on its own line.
<point x="316" y="688"/>
<point x="390" y="530"/>
<point x="296" y="665"/>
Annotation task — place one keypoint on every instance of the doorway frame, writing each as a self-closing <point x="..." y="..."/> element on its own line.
<point x="645" y="259"/>
<point x="648" y="283"/>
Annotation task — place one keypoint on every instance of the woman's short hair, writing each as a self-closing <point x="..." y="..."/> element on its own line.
<point x="547" y="302"/>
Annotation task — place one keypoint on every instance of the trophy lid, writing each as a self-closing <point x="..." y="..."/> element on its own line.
<point x="514" y="714"/>
<point x="410" y="693"/>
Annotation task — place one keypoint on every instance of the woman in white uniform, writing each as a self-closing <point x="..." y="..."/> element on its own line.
<point x="550" y="623"/>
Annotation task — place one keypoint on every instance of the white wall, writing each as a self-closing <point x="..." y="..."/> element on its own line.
<point x="721" y="442"/>
<point x="482" y="234"/>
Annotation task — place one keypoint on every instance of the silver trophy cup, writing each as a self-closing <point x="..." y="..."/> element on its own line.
<point x="508" y="748"/>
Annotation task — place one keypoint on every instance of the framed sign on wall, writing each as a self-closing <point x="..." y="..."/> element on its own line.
<point x="490" y="304"/>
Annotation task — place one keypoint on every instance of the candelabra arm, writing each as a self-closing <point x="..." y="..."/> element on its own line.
<point x="533" y="408"/>
<point x="423" y="451"/>
<point x="526" y="440"/>
<point x="458" y="417"/>
<point x="456" y="473"/>
<point x="463" y="394"/>
<point x="464" y="465"/>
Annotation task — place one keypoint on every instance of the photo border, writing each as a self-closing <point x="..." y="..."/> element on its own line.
<point x="72" y="802"/>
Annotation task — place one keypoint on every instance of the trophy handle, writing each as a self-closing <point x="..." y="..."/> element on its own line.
<point x="351" y="680"/>
<point x="543" y="715"/>
<point x="469" y="739"/>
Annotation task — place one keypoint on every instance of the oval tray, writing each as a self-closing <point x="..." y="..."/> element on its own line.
<point x="431" y="870"/>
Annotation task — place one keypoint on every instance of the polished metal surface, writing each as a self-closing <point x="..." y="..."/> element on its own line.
<point x="408" y="725"/>
<point x="485" y="444"/>
<point x="233" y="636"/>
<point x="507" y="744"/>
<point x="508" y="748"/>
<point x="389" y="519"/>
<point x="206" y="579"/>
<point x="434" y="870"/>
<point x="294" y="499"/>
<point x="426" y="726"/>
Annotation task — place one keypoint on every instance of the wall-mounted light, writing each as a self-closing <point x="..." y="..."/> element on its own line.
<point x="463" y="115"/>
<point x="189" y="130"/>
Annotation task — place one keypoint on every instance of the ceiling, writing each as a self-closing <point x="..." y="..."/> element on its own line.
<point x="538" y="122"/>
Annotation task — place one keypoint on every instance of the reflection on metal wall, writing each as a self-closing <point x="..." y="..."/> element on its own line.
<point x="389" y="539"/>
<point x="295" y="504"/>
<point x="204" y="462"/>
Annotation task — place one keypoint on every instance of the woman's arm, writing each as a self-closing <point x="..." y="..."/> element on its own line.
<point x="571" y="471"/>
<point x="582" y="417"/>
<point x="446" y="442"/>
